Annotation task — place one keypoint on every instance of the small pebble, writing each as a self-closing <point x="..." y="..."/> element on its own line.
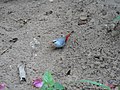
<point x="80" y="22"/>
<point x="51" y="0"/>
<point x="83" y="16"/>
<point x="13" y="40"/>
<point x="49" y="12"/>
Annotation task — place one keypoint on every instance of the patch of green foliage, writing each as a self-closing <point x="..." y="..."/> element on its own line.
<point x="49" y="83"/>
<point x="117" y="18"/>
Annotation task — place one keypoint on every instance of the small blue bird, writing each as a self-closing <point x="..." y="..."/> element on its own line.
<point x="60" y="42"/>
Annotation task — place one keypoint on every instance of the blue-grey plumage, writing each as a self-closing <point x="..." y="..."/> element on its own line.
<point x="59" y="42"/>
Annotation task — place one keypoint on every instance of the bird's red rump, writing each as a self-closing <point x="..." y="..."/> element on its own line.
<point x="67" y="36"/>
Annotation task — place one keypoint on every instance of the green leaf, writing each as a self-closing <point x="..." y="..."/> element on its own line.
<point x="51" y="88"/>
<point x="119" y="87"/>
<point x="58" y="86"/>
<point x="117" y="18"/>
<point x="48" y="79"/>
<point x="99" y="84"/>
<point x="44" y="87"/>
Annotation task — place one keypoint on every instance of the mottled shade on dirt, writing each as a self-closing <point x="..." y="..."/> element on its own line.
<point x="92" y="52"/>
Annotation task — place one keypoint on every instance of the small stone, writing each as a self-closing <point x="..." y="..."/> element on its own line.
<point x="83" y="19"/>
<point x="83" y="16"/>
<point x="105" y="25"/>
<point x="51" y="0"/>
<point x="68" y="72"/>
<point x="97" y="57"/>
<point x="117" y="12"/>
<point x="49" y="12"/>
<point x="13" y="40"/>
<point x="82" y="22"/>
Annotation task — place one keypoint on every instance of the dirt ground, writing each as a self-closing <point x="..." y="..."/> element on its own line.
<point x="92" y="52"/>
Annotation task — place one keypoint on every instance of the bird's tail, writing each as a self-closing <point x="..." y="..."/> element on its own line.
<point x="67" y="36"/>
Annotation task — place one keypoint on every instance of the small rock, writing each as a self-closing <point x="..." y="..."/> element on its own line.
<point x="68" y="72"/>
<point x="97" y="57"/>
<point x="13" y="40"/>
<point x="117" y="12"/>
<point x="83" y="16"/>
<point x="81" y="22"/>
<point x="51" y="0"/>
<point x="49" y="12"/>
<point x="22" y="72"/>
<point x="83" y="19"/>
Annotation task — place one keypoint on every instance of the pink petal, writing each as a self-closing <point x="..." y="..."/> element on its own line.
<point x="111" y="86"/>
<point x="37" y="83"/>
<point x="2" y="86"/>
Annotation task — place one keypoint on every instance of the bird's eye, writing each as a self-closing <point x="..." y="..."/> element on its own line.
<point x="54" y="41"/>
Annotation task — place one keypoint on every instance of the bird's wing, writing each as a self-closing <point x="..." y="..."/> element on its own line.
<point x="60" y="42"/>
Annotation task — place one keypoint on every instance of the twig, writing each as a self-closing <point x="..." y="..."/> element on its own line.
<point x="6" y="50"/>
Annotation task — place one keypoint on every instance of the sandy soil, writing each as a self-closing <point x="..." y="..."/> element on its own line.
<point x="92" y="52"/>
